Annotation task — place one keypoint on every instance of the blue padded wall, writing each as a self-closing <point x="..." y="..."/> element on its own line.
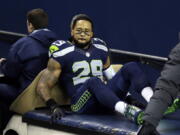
<point x="149" y="27"/>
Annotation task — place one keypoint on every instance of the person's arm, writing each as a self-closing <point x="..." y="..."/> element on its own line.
<point x="147" y="129"/>
<point x="167" y="88"/>
<point x="12" y="66"/>
<point x="108" y="69"/>
<point x="48" y="79"/>
<point x="107" y="64"/>
<point x="2" y="60"/>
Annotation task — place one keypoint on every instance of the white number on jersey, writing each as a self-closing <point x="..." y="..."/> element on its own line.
<point x="95" y="67"/>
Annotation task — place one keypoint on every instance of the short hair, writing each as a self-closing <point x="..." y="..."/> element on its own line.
<point x="38" y="17"/>
<point x="80" y="17"/>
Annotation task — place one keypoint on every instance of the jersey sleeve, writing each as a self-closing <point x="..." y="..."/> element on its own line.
<point x="59" y="51"/>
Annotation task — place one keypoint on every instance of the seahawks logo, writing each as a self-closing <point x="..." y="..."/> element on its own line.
<point x="53" y="48"/>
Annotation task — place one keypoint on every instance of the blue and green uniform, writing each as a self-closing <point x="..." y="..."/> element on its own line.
<point x="82" y="75"/>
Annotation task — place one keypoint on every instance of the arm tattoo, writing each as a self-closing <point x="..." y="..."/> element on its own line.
<point x="48" y="79"/>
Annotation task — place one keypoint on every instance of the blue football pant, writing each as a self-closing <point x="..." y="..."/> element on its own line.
<point x="94" y="95"/>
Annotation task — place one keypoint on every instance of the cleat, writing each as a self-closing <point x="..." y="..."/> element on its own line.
<point x="134" y="114"/>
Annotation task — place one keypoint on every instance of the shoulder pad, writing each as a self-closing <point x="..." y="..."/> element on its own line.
<point x="59" y="42"/>
<point x="63" y="52"/>
<point x="60" y="48"/>
<point x="98" y="41"/>
<point x="57" y="45"/>
<point x="100" y="44"/>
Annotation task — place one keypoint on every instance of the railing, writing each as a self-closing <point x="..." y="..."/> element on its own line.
<point x="12" y="33"/>
<point x="10" y="36"/>
<point x="118" y="56"/>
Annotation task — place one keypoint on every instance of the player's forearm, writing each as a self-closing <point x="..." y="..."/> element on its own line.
<point x="11" y="68"/>
<point x="45" y="84"/>
<point x="43" y="91"/>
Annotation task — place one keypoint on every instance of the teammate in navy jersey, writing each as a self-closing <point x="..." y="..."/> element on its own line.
<point x="80" y="65"/>
<point x="26" y="58"/>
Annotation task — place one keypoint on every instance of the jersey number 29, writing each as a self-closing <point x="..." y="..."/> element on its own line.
<point x="93" y="68"/>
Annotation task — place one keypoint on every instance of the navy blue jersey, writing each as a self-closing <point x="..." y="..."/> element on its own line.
<point x="79" y="65"/>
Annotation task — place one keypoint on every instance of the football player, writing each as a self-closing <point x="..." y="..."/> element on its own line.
<point x="79" y="65"/>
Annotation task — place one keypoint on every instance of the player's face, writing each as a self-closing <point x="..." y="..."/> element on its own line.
<point x="82" y="32"/>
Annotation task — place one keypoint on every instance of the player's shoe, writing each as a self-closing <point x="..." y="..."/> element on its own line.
<point x="134" y="114"/>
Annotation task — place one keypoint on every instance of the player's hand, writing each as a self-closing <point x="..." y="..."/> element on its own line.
<point x="55" y="110"/>
<point x="147" y="129"/>
<point x="56" y="113"/>
<point x="2" y="60"/>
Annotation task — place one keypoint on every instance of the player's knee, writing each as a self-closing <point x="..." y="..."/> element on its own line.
<point x="131" y="67"/>
<point x="94" y="81"/>
<point x="132" y="71"/>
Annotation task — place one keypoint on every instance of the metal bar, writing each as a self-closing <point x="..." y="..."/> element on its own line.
<point x="12" y="33"/>
<point x="139" y="55"/>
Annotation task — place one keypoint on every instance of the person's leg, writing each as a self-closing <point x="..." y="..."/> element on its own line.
<point x="7" y="95"/>
<point x="132" y="72"/>
<point x="119" y="84"/>
<point x="140" y="87"/>
<point x="5" y="115"/>
<point x="92" y="94"/>
<point x="130" y="78"/>
<point x="94" y="91"/>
